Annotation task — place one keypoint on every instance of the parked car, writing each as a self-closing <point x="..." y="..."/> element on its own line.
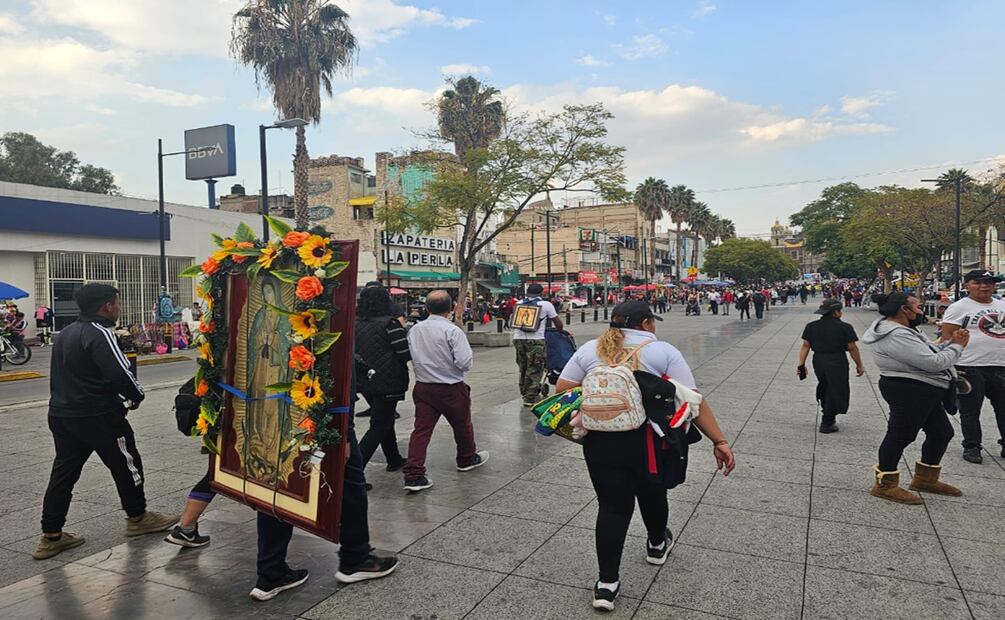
<point x="577" y="302"/>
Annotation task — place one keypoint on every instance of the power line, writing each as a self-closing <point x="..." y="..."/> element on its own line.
<point x="842" y="178"/>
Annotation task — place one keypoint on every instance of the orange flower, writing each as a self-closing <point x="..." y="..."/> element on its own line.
<point x="203" y="425"/>
<point x="308" y="425"/>
<point x="225" y="247"/>
<point x="301" y="358"/>
<point x="245" y="245"/>
<point x="269" y="254"/>
<point x="315" y="252"/>
<point x="295" y="238"/>
<point x="207" y="328"/>
<point x="202" y="388"/>
<point x="211" y="266"/>
<point x="309" y="287"/>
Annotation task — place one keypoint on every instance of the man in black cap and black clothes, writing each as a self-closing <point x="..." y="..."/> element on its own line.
<point x="983" y="361"/>
<point x="830" y="338"/>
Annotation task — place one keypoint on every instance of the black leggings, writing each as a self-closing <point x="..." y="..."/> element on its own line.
<point x="381" y="432"/>
<point x="617" y="465"/>
<point x="914" y="406"/>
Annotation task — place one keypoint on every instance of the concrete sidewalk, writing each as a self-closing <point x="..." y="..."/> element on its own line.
<point x="793" y="533"/>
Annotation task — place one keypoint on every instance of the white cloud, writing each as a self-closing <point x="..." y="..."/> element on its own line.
<point x="809" y="130"/>
<point x="378" y="21"/>
<point x="860" y="107"/>
<point x="67" y="69"/>
<point x="97" y="109"/>
<point x="9" y="25"/>
<point x="587" y="60"/>
<point x="704" y="9"/>
<point x="611" y="20"/>
<point x="465" y="69"/>
<point x="641" y="46"/>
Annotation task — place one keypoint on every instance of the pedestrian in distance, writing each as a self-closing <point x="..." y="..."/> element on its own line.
<point x="43" y="325"/>
<point x="915" y="379"/>
<point x="983" y="361"/>
<point x="382" y="345"/>
<point x="727" y="300"/>
<point x="531" y="318"/>
<point x="831" y="340"/>
<point x="91" y="390"/>
<point x="743" y="304"/>
<point x="441" y="356"/>
<point x="759" y="300"/>
<point x="618" y="461"/>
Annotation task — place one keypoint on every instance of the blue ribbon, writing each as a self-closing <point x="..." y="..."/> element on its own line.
<point x="238" y="393"/>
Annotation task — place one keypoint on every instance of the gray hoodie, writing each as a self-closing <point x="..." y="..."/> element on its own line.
<point x="900" y="351"/>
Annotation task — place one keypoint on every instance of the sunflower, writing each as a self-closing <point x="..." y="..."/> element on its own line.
<point x="202" y="424"/>
<point x="226" y="247"/>
<point x="269" y="254"/>
<point x="304" y="324"/>
<point x="306" y="392"/>
<point x="205" y="352"/>
<point x="315" y="252"/>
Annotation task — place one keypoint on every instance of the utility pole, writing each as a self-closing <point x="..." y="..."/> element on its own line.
<point x="533" y="262"/>
<point x="565" y="267"/>
<point x="957" y="190"/>
<point x="617" y="285"/>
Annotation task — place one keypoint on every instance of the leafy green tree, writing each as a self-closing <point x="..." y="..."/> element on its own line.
<point x="747" y="260"/>
<point x="295" y="47"/>
<point x="24" y="159"/>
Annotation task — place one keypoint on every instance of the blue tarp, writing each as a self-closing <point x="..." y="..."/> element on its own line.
<point x="9" y="291"/>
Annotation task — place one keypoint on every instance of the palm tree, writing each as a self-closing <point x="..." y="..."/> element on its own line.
<point x="651" y="198"/>
<point x="698" y="219"/>
<point x="947" y="182"/>
<point x="470" y="115"/>
<point x="295" y="47"/>
<point x="678" y="204"/>
<point x="727" y="229"/>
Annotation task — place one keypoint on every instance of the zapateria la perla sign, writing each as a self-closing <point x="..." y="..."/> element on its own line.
<point x="210" y="152"/>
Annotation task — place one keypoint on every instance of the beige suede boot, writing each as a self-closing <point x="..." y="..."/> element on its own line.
<point x="887" y="486"/>
<point x="926" y="478"/>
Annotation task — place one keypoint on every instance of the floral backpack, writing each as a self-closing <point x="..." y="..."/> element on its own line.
<point x="612" y="400"/>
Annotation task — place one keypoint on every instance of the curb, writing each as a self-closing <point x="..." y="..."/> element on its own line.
<point x="30" y="404"/>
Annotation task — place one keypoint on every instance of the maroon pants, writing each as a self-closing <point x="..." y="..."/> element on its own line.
<point x="432" y="400"/>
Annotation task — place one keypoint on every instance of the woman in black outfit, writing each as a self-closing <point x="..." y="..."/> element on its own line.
<point x="382" y="343"/>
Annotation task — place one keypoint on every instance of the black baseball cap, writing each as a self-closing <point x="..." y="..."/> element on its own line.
<point x="981" y="274"/>
<point x="828" y="306"/>
<point x="631" y="314"/>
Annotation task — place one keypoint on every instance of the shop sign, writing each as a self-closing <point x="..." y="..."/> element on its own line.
<point x="210" y="152"/>
<point x="418" y="242"/>
<point x="588" y="277"/>
<point x="393" y="256"/>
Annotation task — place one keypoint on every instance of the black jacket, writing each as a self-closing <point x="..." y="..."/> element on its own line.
<point x="89" y="375"/>
<point x="382" y="343"/>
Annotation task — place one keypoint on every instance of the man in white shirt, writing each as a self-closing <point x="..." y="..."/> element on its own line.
<point x="983" y="361"/>
<point x="529" y="344"/>
<point x="441" y="356"/>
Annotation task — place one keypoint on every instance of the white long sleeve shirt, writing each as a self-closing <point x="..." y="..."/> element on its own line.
<point x="440" y="351"/>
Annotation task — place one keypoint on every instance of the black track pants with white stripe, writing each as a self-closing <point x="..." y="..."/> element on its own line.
<point x="110" y="436"/>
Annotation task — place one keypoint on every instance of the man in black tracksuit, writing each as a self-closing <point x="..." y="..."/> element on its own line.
<point x="91" y="388"/>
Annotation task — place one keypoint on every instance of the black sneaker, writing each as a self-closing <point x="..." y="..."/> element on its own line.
<point x="392" y="467"/>
<point x="374" y="567"/>
<point x="1002" y="443"/>
<point x="603" y="599"/>
<point x="973" y="455"/>
<point x="267" y="591"/>
<point x="418" y="484"/>
<point x="480" y="458"/>
<point x="828" y="428"/>
<point x="178" y="536"/>
<point x="656" y="555"/>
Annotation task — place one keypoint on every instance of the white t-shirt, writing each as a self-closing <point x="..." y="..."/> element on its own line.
<point x="660" y="358"/>
<point x="987" y="330"/>
<point x="547" y="312"/>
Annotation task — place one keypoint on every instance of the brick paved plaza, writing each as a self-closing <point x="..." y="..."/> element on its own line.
<point x="793" y="533"/>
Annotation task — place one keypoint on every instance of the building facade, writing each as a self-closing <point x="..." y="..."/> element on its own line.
<point x="794" y="245"/>
<point x="239" y="201"/>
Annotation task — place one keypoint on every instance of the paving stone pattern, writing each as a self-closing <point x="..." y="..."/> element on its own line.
<point x="793" y="533"/>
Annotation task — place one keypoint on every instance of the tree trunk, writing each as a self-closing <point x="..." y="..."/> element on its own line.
<point x="982" y="233"/>
<point x="676" y="251"/>
<point x="300" y="164"/>
<point x="652" y="249"/>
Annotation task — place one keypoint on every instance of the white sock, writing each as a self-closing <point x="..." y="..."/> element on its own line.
<point x="613" y="587"/>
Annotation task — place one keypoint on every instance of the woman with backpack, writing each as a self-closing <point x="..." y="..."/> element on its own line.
<point x="382" y="343"/>
<point x="617" y="461"/>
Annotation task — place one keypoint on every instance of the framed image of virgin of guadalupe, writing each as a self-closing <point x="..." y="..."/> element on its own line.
<point x="260" y="461"/>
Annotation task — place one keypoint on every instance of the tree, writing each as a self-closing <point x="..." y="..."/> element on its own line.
<point x="532" y="155"/>
<point x="651" y="198"/>
<point x="678" y="206"/>
<point x="470" y="115"/>
<point x="698" y="218"/>
<point x="747" y="260"/>
<point x="24" y="159"/>
<point x="296" y="47"/>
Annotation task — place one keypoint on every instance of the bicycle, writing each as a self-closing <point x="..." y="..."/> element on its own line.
<point x="15" y="354"/>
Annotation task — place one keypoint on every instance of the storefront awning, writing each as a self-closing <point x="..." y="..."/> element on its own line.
<point x="494" y="289"/>
<point x="363" y="201"/>
<point x="425" y="276"/>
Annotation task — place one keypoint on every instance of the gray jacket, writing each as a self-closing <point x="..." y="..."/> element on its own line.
<point x="900" y="351"/>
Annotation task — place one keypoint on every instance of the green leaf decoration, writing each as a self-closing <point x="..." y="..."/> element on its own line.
<point x="198" y="375"/>
<point x="279" y="388"/>
<point x="334" y="268"/>
<point x="244" y="233"/>
<point x="255" y="252"/>
<point x="210" y="444"/>
<point x="318" y="313"/>
<point x="290" y="276"/>
<point x="217" y="239"/>
<point x="252" y="271"/>
<point x="278" y="226"/>
<point x="191" y="272"/>
<point x="324" y="341"/>
<point x="279" y="310"/>
<point x="209" y="413"/>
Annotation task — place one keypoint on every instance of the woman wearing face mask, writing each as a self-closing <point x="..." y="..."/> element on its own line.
<point x="915" y="377"/>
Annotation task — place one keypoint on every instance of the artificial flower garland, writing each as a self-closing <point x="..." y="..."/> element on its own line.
<point x="303" y="258"/>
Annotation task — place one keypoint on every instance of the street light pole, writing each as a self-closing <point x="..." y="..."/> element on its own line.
<point x="263" y="205"/>
<point x="957" y="190"/>
<point x="160" y="214"/>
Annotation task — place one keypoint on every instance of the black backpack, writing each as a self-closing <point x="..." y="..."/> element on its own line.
<point x="668" y="453"/>
<point x="186" y="407"/>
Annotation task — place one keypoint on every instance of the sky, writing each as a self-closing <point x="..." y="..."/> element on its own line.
<point x="714" y="94"/>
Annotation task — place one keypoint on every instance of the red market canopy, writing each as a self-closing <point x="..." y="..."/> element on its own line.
<point x="640" y="287"/>
<point x="398" y="291"/>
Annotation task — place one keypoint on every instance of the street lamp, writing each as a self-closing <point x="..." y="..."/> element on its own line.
<point x="288" y="123"/>
<point x="956" y="254"/>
